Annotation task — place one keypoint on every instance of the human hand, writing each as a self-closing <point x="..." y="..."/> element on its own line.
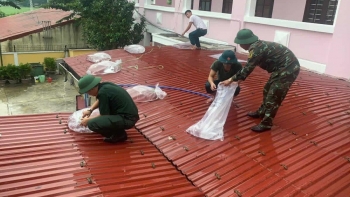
<point x="86" y="113"/>
<point x="84" y="121"/>
<point x="226" y="82"/>
<point x="213" y="86"/>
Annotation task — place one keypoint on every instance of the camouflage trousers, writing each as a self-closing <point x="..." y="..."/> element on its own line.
<point x="275" y="91"/>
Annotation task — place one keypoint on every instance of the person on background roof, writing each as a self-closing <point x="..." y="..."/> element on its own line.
<point x="275" y="59"/>
<point x="225" y="67"/>
<point x="117" y="109"/>
<point x="201" y="29"/>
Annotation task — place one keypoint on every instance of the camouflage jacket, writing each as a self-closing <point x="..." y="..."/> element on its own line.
<point x="270" y="56"/>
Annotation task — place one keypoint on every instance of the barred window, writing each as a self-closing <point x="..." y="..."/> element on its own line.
<point x="227" y="6"/>
<point x="264" y="8"/>
<point x="205" y="5"/>
<point x="320" y="11"/>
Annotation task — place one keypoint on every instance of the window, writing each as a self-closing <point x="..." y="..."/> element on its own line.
<point x="227" y="6"/>
<point x="264" y="8"/>
<point x="320" y="11"/>
<point x="191" y="4"/>
<point x="205" y="5"/>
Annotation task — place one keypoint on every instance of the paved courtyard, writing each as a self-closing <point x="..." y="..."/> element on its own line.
<point x="57" y="96"/>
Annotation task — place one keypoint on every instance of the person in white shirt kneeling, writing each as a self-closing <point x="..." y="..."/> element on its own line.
<point x="201" y="29"/>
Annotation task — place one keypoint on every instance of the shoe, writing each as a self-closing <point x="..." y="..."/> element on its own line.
<point x="260" y="128"/>
<point x="254" y="114"/>
<point x="114" y="138"/>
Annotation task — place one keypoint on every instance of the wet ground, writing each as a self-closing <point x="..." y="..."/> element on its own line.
<point x="37" y="98"/>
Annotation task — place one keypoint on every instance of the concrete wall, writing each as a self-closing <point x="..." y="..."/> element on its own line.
<point x="56" y="39"/>
<point x="77" y="52"/>
<point x="289" y="10"/>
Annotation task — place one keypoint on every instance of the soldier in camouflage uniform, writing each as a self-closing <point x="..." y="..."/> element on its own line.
<point x="275" y="59"/>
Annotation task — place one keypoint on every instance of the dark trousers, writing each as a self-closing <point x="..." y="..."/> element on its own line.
<point x="216" y="82"/>
<point x="194" y="36"/>
<point x="109" y="125"/>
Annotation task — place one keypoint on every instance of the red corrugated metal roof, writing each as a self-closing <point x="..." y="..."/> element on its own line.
<point x="38" y="158"/>
<point x="306" y="153"/>
<point x="19" y="25"/>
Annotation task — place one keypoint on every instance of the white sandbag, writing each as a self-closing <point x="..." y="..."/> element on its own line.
<point x="135" y="48"/>
<point x="211" y="126"/>
<point x="141" y="93"/>
<point x="104" y="67"/>
<point x="74" y="121"/>
<point x="98" y="57"/>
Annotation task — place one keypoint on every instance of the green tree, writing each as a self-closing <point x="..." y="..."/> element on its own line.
<point x="2" y="14"/>
<point x="9" y="3"/>
<point x="107" y="24"/>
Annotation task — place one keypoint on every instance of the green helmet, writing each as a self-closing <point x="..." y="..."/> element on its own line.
<point x="87" y="82"/>
<point x="245" y="36"/>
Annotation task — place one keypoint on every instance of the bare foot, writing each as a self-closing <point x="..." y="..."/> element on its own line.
<point x="193" y="47"/>
<point x="210" y="100"/>
<point x="198" y="48"/>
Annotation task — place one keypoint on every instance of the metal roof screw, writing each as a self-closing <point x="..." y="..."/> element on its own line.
<point x="180" y="103"/>
<point x="89" y="180"/>
<point x="185" y="147"/>
<point x="347" y="158"/>
<point x="56" y="115"/>
<point x="171" y="138"/>
<point x="327" y="93"/>
<point x="189" y="82"/>
<point x="294" y="133"/>
<point x="331" y="123"/>
<point x="217" y="175"/>
<point x="153" y="165"/>
<point x="313" y="142"/>
<point x="328" y="106"/>
<point x="82" y="163"/>
<point x="192" y="110"/>
<point x="130" y="140"/>
<point x="262" y="152"/>
<point x="60" y="122"/>
<point x="284" y="166"/>
<point x="65" y="131"/>
<point x="238" y="193"/>
<point x="145" y="115"/>
<point x="311" y="100"/>
<point x="304" y="113"/>
<point x="142" y="153"/>
<point x="237" y="137"/>
<point x="162" y="128"/>
<point x="348" y="112"/>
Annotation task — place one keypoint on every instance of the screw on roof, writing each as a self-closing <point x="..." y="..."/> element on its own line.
<point x="185" y="147"/>
<point x="153" y="165"/>
<point x="284" y="166"/>
<point x="237" y="137"/>
<point x="238" y="193"/>
<point x="89" y="179"/>
<point x="82" y="163"/>
<point x="217" y="175"/>
<point x="60" y="122"/>
<point x="313" y="142"/>
<point x="262" y="152"/>
<point x="162" y="128"/>
<point x="65" y="131"/>
<point x="142" y="153"/>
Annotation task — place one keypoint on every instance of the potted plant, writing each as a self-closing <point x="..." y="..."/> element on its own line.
<point x="50" y="65"/>
<point x="169" y="2"/>
<point x="24" y="72"/>
<point x="12" y="73"/>
<point x="3" y="75"/>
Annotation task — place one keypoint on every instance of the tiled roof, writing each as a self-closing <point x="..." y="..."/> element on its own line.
<point x="19" y="25"/>
<point x="40" y="157"/>
<point x="306" y="153"/>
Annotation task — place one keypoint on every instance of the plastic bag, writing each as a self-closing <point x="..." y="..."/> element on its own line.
<point x="98" y="57"/>
<point x="104" y="67"/>
<point x="141" y="93"/>
<point x="185" y="45"/>
<point x="74" y="121"/>
<point x="211" y="126"/>
<point x="135" y="48"/>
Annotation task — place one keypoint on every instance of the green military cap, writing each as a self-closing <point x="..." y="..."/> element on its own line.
<point x="228" y="57"/>
<point x="87" y="82"/>
<point x="245" y="36"/>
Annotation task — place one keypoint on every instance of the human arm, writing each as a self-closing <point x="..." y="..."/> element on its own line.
<point x="211" y="79"/>
<point x="187" y="28"/>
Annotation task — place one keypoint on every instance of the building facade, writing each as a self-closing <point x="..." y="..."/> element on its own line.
<point x="315" y="30"/>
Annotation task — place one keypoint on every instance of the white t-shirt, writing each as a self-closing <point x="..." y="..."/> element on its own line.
<point x="197" y="22"/>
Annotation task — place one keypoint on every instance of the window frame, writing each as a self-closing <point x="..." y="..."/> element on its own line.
<point x="224" y="6"/>
<point x="264" y="2"/>
<point x="199" y="6"/>
<point x="323" y="12"/>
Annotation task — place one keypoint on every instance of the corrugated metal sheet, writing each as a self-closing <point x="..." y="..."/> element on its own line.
<point x="40" y="157"/>
<point x="306" y="153"/>
<point x="18" y="25"/>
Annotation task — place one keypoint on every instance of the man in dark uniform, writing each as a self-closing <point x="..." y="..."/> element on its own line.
<point x="225" y="68"/>
<point x="117" y="109"/>
<point x="275" y="59"/>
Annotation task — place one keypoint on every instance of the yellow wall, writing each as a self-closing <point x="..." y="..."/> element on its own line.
<point x="77" y="52"/>
<point x="7" y="59"/>
<point x="38" y="57"/>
